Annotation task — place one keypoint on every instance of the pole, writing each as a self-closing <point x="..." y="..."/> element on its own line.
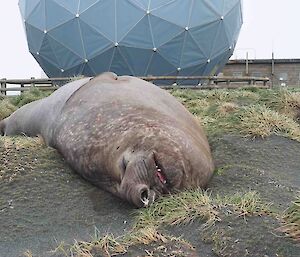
<point x="273" y="70"/>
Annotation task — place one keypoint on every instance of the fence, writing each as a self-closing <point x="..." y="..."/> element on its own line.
<point x="202" y="82"/>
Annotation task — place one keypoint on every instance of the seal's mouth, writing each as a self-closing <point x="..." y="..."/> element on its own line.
<point x="160" y="175"/>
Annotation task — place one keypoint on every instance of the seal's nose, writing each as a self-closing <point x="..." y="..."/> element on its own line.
<point x="141" y="195"/>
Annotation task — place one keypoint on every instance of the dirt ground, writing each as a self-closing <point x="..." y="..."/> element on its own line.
<point x="43" y="203"/>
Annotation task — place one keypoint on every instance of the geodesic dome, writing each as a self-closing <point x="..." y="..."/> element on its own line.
<point x="132" y="37"/>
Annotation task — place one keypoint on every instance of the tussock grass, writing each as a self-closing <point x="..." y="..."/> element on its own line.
<point x="179" y="209"/>
<point x="260" y="121"/>
<point x="248" y="204"/>
<point x="255" y="113"/>
<point x="111" y="246"/>
<point x="29" y="96"/>
<point x="22" y="142"/>
<point x="6" y="108"/>
<point x="182" y="208"/>
<point x="291" y="220"/>
<point x="227" y="108"/>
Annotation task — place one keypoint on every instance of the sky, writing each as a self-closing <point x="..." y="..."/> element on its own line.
<point x="268" y="25"/>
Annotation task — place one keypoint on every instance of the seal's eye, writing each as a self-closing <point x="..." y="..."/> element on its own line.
<point x="124" y="164"/>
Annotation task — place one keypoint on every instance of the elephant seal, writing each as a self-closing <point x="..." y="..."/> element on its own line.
<point x="123" y="134"/>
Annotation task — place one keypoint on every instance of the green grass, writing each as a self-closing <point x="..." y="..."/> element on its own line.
<point x="182" y="208"/>
<point x="29" y="96"/>
<point x="255" y="113"/>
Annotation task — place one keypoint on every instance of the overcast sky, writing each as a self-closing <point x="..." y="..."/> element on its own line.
<point x="268" y="24"/>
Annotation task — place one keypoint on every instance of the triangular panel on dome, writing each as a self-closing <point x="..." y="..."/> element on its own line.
<point x="71" y="5"/>
<point x="128" y="16"/>
<point x="74" y="71"/>
<point x="233" y="22"/>
<point x="163" y="31"/>
<point x="101" y="16"/>
<point x="223" y="59"/>
<point x="101" y="63"/>
<point x="221" y="43"/>
<point x="172" y="50"/>
<point x="35" y="38"/>
<point x="144" y="4"/>
<point x="205" y="36"/>
<point x="47" y="53"/>
<point x="22" y="7"/>
<point x="192" y="54"/>
<point x="67" y="58"/>
<point x="137" y="59"/>
<point x="140" y="36"/>
<point x="154" y="4"/>
<point x="216" y="64"/>
<point x="85" y="4"/>
<point x="37" y="16"/>
<point x="88" y="71"/>
<point x="177" y="12"/>
<point x="119" y="64"/>
<point x="48" y="67"/>
<point x="94" y="43"/>
<point x="191" y="71"/>
<point x="159" y="66"/>
<point x="61" y="16"/>
<point x="68" y="35"/>
<point x="206" y="16"/>
<point x="229" y="5"/>
<point x="29" y="7"/>
<point x="217" y="5"/>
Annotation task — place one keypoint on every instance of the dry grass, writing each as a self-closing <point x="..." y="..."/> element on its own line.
<point x="179" y="209"/>
<point x="260" y="121"/>
<point x="182" y="208"/>
<point x="6" y="108"/>
<point x="248" y="204"/>
<point x="227" y="108"/>
<point x="291" y="220"/>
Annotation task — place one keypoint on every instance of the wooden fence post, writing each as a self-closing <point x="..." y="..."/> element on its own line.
<point x="21" y="85"/>
<point x="32" y="84"/>
<point x="3" y="85"/>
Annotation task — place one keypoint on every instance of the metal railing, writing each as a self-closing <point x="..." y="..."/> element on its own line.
<point x="197" y="82"/>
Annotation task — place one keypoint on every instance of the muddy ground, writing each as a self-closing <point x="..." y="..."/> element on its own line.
<point x="43" y="203"/>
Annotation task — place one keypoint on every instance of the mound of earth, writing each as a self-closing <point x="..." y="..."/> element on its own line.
<point x="45" y="206"/>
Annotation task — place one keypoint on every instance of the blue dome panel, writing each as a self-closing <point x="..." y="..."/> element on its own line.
<point x="131" y="37"/>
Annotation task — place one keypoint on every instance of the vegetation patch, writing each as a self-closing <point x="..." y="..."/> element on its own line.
<point x="260" y="121"/>
<point x="291" y="220"/>
<point x="29" y="96"/>
<point x="255" y="113"/>
<point x="174" y="210"/>
<point x="6" y="108"/>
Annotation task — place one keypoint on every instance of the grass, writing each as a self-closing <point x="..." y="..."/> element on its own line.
<point x="182" y="208"/>
<point x="291" y="220"/>
<point x="249" y="112"/>
<point x="6" y="108"/>
<point x="254" y="113"/>
<point x="29" y="96"/>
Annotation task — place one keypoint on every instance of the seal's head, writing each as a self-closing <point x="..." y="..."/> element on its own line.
<point x="162" y="169"/>
<point x="145" y="177"/>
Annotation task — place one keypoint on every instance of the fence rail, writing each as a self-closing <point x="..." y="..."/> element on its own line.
<point x="203" y="82"/>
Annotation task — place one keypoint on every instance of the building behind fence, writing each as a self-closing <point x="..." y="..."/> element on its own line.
<point x="282" y="72"/>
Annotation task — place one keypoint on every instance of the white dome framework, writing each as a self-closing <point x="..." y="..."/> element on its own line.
<point x="132" y="37"/>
